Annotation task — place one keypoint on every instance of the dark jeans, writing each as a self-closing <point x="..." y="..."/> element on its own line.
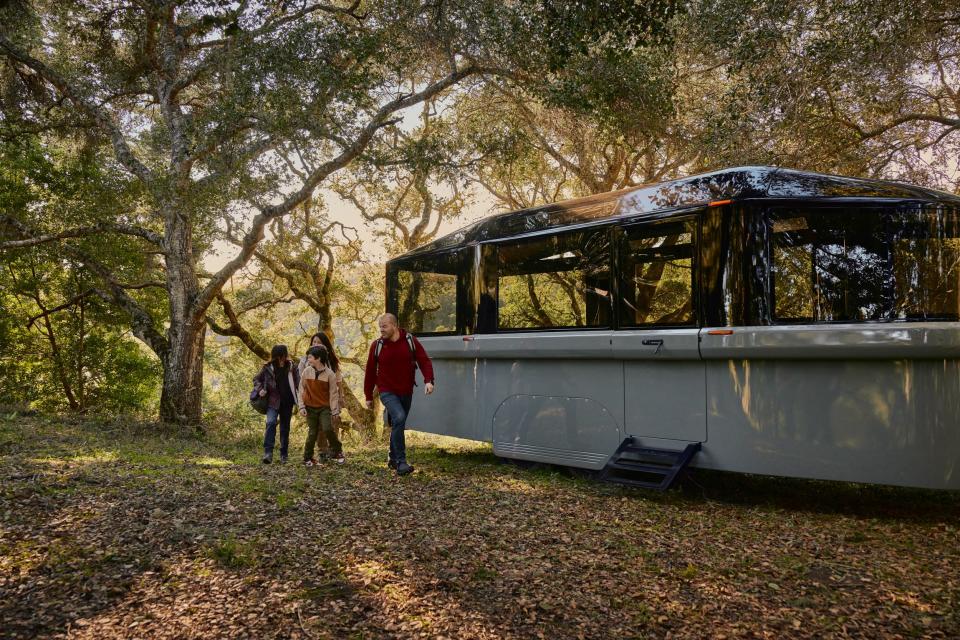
<point x="283" y="415"/>
<point x="397" y="408"/>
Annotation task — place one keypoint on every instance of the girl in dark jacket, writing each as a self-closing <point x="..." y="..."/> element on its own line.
<point x="278" y="380"/>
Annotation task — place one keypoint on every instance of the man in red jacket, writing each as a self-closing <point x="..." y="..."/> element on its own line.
<point x="391" y="368"/>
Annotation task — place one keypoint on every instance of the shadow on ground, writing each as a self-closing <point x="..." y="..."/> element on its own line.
<point x="113" y="532"/>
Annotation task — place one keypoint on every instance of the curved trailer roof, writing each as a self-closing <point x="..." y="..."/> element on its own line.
<point x="727" y="184"/>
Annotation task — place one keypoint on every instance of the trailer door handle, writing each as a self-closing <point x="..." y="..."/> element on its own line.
<point x="650" y="342"/>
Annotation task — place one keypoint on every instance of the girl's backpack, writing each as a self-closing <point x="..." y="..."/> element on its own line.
<point x="258" y="402"/>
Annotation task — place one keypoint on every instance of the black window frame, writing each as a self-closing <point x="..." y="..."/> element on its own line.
<point x="422" y="264"/>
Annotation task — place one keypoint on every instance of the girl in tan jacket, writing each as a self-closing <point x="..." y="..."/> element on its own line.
<point x="319" y="402"/>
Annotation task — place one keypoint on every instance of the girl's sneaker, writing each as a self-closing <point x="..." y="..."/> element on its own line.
<point x="339" y="458"/>
<point x="309" y="463"/>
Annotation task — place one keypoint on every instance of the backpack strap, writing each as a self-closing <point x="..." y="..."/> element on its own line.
<point x="413" y="353"/>
<point x="376" y="355"/>
<point x="379" y="348"/>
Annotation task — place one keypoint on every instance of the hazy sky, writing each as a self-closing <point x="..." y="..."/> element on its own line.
<point x="347" y="214"/>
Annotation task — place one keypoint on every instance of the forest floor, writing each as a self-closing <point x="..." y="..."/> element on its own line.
<point x="111" y="530"/>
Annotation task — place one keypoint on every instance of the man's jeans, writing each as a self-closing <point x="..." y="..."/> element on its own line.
<point x="397" y="408"/>
<point x="283" y="415"/>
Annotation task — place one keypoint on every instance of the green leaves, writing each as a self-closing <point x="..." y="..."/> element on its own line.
<point x="853" y="87"/>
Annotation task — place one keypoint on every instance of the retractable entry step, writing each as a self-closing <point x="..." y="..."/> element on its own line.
<point x="646" y="467"/>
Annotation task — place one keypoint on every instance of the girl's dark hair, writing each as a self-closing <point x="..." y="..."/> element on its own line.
<point x="278" y="351"/>
<point x="334" y="360"/>
<point x="320" y="353"/>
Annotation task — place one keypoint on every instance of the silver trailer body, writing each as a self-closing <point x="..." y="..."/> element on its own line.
<point x="841" y="403"/>
<point x="865" y="401"/>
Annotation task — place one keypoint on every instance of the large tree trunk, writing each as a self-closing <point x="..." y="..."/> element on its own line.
<point x="180" y="400"/>
<point x="364" y="418"/>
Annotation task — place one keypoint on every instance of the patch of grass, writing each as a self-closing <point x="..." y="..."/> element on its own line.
<point x="287" y="499"/>
<point x="856" y="537"/>
<point x="791" y="564"/>
<point x="234" y="554"/>
<point x="689" y="572"/>
<point x="637" y="552"/>
<point x="8" y="446"/>
<point x="483" y="573"/>
<point x="210" y="461"/>
<point x="803" y="602"/>
<point x="334" y="589"/>
<point x="255" y="486"/>
<point x="642" y="614"/>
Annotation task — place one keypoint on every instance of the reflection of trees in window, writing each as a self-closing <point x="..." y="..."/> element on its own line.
<point x="428" y="302"/>
<point x="658" y="275"/>
<point x="926" y="266"/>
<point x="557" y="281"/>
<point x="666" y="299"/>
<point x="571" y="283"/>
<point x="544" y="300"/>
<point x="793" y="283"/>
<point x="865" y="265"/>
<point x="835" y="262"/>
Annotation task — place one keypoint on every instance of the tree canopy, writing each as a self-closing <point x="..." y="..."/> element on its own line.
<point x="138" y="136"/>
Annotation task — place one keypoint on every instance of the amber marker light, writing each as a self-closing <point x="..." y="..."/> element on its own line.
<point x="720" y="332"/>
<point x="719" y="203"/>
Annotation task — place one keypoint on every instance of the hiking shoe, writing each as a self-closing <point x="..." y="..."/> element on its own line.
<point x="266" y="459"/>
<point x="339" y="459"/>
<point x="404" y="469"/>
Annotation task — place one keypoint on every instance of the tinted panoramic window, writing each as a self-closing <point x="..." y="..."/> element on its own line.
<point x="428" y="301"/>
<point x="657" y="274"/>
<point x="852" y="265"/>
<point x="558" y="281"/>
<point x="427" y="291"/>
<point x="829" y="267"/>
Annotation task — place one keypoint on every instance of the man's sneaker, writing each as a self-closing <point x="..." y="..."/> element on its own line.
<point x="283" y="459"/>
<point x="404" y="469"/>
<point x="391" y="464"/>
<point x="267" y="459"/>
<point x="339" y="459"/>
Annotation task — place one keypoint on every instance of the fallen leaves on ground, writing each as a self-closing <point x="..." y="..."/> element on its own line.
<point x="111" y="533"/>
